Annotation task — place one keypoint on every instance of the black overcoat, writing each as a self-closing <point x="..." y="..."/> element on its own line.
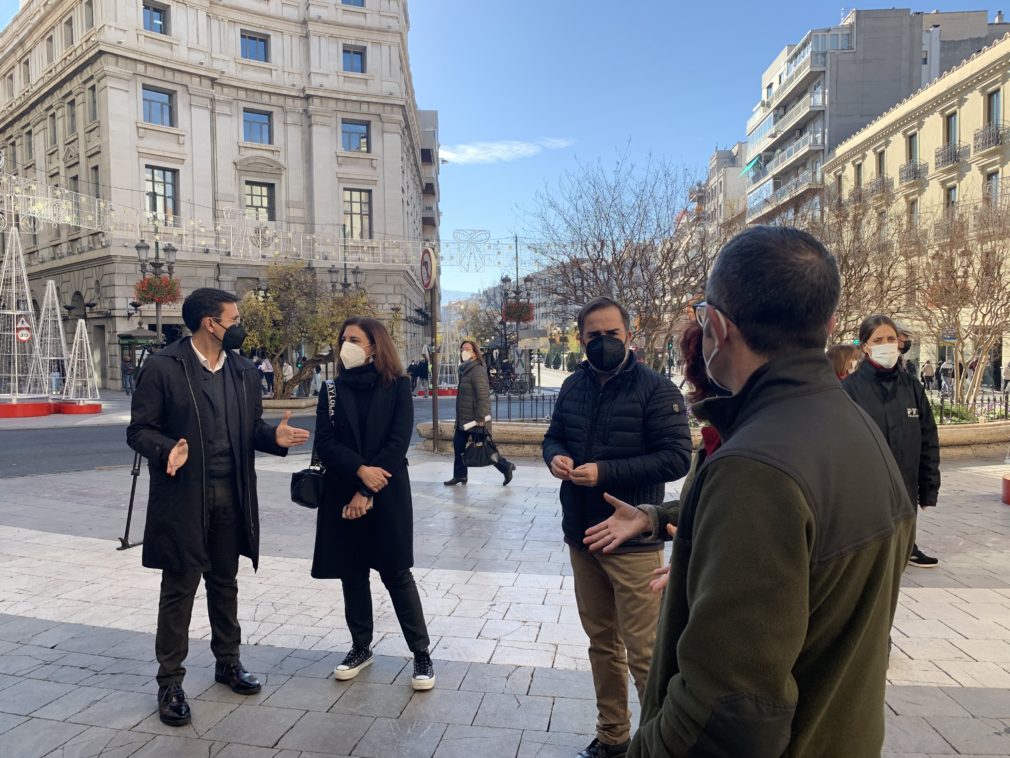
<point x="383" y="538"/>
<point x="168" y="405"/>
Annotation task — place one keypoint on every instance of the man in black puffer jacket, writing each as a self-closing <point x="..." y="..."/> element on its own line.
<point x="621" y="428"/>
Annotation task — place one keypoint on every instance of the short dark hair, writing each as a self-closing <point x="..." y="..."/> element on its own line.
<point x="597" y="303"/>
<point x="872" y="323"/>
<point x="204" y="302"/>
<point x="779" y="285"/>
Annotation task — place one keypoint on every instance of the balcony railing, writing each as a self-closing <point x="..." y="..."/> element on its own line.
<point x="951" y="154"/>
<point x="913" y="171"/>
<point x="804" y="181"/>
<point x="812" y="139"/>
<point x="991" y="136"/>
<point x="880" y="185"/>
<point x="949" y="224"/>
<point x="815" y="60"/>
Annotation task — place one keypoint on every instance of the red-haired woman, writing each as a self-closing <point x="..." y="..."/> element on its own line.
<point x="366" y="518"/>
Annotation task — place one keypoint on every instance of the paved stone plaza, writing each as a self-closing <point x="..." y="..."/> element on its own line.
<point x="77" y="621"/>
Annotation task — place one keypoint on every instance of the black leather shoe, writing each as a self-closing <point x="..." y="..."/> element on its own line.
<point x="597" y="749"/>
<point x="454" y="481"/>
<point x="173" y="709"/>
<point x="508" y="474"/>
<point x="236" y="677"/>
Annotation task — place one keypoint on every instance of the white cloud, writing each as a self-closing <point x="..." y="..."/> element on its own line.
<point x="505" y="150"/>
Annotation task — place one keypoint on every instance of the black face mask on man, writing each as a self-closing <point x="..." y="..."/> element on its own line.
<point x="233" y="337"/>
<point x="906" y="346"/>
<point x="606" y="354"/>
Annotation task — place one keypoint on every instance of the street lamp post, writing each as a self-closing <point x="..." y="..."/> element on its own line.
<point x="156" y="265"/>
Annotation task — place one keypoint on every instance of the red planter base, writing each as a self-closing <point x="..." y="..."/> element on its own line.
<point x="441" y="393"/>
<point x="25" y="410"/>
<point x="75" y="409"/>
<point x="1006" y="489"/>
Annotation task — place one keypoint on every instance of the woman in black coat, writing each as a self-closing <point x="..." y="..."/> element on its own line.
<point x="473" y="411"/>
<point x="896" y="401"/>
<point x="364" y="423"/>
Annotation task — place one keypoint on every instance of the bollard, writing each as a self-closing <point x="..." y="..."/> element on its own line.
<point x="1006" y="489"/>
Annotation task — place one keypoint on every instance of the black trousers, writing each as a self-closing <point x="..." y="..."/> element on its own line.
<point x="459" y="470"/>
<point x="406" y="602"/>
<point x="175" y="609"/>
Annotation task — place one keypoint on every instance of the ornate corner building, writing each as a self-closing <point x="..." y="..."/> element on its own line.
<point x="239" y="131"/>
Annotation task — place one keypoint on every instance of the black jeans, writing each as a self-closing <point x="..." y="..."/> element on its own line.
<point x="175" y="609"/>
<point x="406" y="603"/>
<point x="459" y="470"/>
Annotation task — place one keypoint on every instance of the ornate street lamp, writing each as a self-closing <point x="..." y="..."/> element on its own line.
<point x="156" y="265"/>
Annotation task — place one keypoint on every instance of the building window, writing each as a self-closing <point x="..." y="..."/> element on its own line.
<point x="993" y="108"/>
<point x="50" y="50"/>
<point x="355" y="3"/>
<point x="257" y="126"/>
<point x="26" y="72"/>
<point x="89" y="14"/>
<point x="159" y="107"/>
<point x="950" y="197"/>
<point x="358" y="213"/>
<point x="881" y="164"/>
<point x="913" y="213"/>
<point x="857" y="180"/>
<point x="29" y="145"/>
<point x="992" y="186"/>
<point x="256" y="47"/>
<point x="9" y="86"/>
<point x="913" y="147"/>
<point x="51" y="132"/>
<point x="354" y="136"/>
<point x="160" y="187"/>
<point x="155" y="18"/>
<point x="71" y="118"/>
<point x="92" y="103"/>
<point x="96" y="187"/>
<point x="73" y="183"/>
<point x="259" y="201"/>
<point x="354" y="59"/>
<point x="12" y="152"/>
<point x="950" y="128"/>
<point x="68" y="32"/>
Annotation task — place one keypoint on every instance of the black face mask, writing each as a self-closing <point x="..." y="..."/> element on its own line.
<point x="234" y="336"/>
<point x="906" y="347"/>
<point x="606" y="354"/>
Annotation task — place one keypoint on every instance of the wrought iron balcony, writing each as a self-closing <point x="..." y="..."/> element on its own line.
<point x="913" y="171"/>
<point x="951" y="154"/>
<point x="991" y="136"/>
<point x="880" y="185"/>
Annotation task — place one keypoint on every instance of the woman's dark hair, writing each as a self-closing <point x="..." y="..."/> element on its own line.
<point x="779" y="286"/>
<point x="387" y="360"/>
<point x="840" y="357"/>
<point x="474" y="349"/>
<point x="693" y="362"/>
<point x="204" y="302"/>
<point x="870" y="325"/>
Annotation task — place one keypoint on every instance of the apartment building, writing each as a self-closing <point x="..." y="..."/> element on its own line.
<point x="938" y="159"/>
<point x="725" y="190"/>
<point x="837" y="79"/>
<point x="239" y="131"/>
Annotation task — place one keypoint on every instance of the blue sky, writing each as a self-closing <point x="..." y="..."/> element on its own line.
<point x="525" y="89"/>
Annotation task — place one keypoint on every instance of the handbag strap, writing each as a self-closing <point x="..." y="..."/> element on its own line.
<point x="331" y="402"/>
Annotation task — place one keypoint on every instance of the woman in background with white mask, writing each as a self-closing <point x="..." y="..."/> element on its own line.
<point x="364" y="422"/>
<point x="896" y="401"/>
<point x="473" y="410"/>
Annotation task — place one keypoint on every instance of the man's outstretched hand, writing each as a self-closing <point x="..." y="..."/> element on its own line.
<point x="178" y="456"/>
<point x="290" y="436"/>
<point x="626" y="523"/>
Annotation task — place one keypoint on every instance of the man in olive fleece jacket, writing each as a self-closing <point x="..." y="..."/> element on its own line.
<point x="790" y="545"/>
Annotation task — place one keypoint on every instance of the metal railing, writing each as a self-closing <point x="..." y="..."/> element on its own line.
<point x="913" y="171"/>
<point x="536" y="408"/>
<point x="991" y="136"/>
<point x="951" y="154"/>
<point x="813" y="60"/>
<point x="990" y="406"/>
<point x="811" y="139"/>
<point x="881" y="184"/>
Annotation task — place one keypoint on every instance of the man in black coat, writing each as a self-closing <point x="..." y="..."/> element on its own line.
<point x="196" y="399"/>
<point x="621" y="428"/>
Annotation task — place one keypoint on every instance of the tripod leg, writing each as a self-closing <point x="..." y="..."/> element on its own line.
<point x="124" y="541"/>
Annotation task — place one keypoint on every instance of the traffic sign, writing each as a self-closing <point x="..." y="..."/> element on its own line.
<point x="427" y="268"/>
<point x="23" y="330"/>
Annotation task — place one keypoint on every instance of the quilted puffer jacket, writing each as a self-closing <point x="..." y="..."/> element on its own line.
<point x="634" y="428"/>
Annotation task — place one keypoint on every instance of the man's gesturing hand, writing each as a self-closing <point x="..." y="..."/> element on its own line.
<point x="626" y="523"/>
<point x="586" y="475"/>
<point x="290" y="436"/>
<point x="178" y="456"/>
<point x="561" y="466"/>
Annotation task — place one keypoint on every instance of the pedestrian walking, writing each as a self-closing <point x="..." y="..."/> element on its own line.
<point x="844" y="359"/>
<point x="947" y="376"/>
<point x="364" y="422"/>
<point x="412" y="373"/>
<point x="127" y="368"/>
<point x="928" y="372"/>
<point x="422" y="375"/>
<point x="287" y="374"/>
<point x="473" y="411"/>
<point x="897" y="403"/>
<point x="196" y="417"/>
<point x="618" y="427"/>
<point x="1006" y="376"/>
<point x="268" y="374"/>
<point x="771" y="641"/>
<point x="317" y="381"/>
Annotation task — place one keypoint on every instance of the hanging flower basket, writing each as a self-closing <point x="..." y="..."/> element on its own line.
<point x="518" y="311"/>
<point x="157" y="289"/>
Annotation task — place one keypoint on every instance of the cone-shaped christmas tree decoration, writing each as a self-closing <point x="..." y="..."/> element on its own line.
<point x="52" y="341"/>
<point x="82" y="381"/>
<point x="21" y="372"/>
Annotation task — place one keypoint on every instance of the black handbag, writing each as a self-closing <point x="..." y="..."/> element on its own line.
<point x="480" y="449"/>
<point x="307" y="484"/>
